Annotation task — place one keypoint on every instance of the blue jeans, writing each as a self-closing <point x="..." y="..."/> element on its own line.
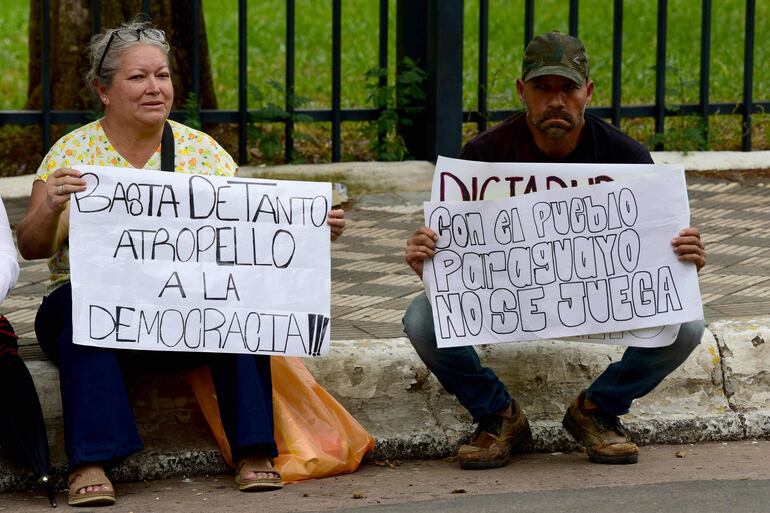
<point x="99" y="423"/>
<point x="477" y="387"/>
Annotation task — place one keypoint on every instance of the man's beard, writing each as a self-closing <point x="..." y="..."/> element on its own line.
<point x="553" y="131"/>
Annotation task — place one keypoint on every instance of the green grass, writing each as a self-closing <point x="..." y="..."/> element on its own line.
<point x="639" y="43"/>
<point x="14" y="16"/>
<point x="266" y="51"/>
<point x="267" y="48"/>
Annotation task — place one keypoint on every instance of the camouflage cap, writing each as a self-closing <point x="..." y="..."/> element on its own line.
<point x="555" y="53"/>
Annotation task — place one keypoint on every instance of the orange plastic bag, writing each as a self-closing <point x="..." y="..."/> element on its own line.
<point x="315" y="434"/>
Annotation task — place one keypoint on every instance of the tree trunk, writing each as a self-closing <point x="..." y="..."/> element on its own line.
<point x="70" y="32"/>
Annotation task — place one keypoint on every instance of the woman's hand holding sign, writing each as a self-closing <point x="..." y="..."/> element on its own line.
<point x="336" y="221"/>
<point x="45" y="227"/>
<point x="690" y="248"/>
<point x="421" y="245"/>
<point x="60" y="186"/>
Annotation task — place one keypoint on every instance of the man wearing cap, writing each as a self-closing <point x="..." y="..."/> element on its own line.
<point x="555" y="89"/>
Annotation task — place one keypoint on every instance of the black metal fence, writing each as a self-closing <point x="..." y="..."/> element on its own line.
<point x="443" y="25"/>
<point x="335" y="115"/>
<point x="430" y="32"/>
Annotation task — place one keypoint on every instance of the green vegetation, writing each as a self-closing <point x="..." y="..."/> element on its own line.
<point x="14" y="17"/>
<point x="266" y="55"/>
<point x="265" y="136"/>
<point x="267" y="48"/>
<point x="384" y="140"/>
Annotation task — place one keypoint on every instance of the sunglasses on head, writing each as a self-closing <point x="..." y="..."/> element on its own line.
<point x="129" y="36"/>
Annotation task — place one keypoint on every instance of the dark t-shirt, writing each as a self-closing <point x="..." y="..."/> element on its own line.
<point x="511" y="141"/>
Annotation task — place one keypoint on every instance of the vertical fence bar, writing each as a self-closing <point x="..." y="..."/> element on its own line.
<point x="196" y="50"/>
<point x="336" y="77"/>
<point x="573" y="17"/>
<point x="45" y="67"/>
<point x="96" y="16"/>
<point x="146" y="8"/>
<point x="383" y="42"/>
<point x="289" y="91"/>
<point x="617" y="60"/>
<point x="243" y="112"/>
<point x="529" y="21"/>
<point x="444" y="111"/>
<point x="705" y="64"/>
<point x="748" y="74"/>
<point x="660" y="72"/>
<point x="383" y="60"/>
<point x="483" y="64"/>
<point x="412" y="39"/>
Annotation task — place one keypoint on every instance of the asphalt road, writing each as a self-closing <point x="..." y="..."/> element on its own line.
<point x="704" y="478"/>
<point x="680" y="497"/>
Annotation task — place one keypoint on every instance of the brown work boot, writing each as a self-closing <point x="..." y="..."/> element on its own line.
<point x="494" y="440"/>
<point x="603" y="436"/>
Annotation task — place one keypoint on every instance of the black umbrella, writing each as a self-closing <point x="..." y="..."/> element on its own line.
<point x="22" y="429"/>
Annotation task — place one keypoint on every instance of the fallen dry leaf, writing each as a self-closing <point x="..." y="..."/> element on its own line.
<point x="387" y="463"/>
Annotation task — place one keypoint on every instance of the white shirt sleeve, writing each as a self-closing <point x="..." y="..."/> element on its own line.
<point x="9" y="263"/>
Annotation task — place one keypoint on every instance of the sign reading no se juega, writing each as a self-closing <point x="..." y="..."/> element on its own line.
<point x="562" y="263"/>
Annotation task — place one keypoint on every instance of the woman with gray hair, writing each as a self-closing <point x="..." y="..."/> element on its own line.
<point x="130" y="74"/>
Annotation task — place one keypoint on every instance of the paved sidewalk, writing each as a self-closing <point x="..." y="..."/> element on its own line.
<point x="707" y="478"/>
<point x="371" y="284"/>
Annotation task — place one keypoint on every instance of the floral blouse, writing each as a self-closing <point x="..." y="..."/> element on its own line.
<point x="194" y="153"/>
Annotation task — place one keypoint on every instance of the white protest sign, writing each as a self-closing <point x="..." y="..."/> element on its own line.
<point x="463" y="180"/>
<point x="561" y="263"/>
<point x="467" y="180"/>
<point x="175" y="262"/>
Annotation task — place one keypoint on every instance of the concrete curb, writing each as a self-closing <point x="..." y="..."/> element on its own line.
<point x="715" y="160"/>
<point x="16" y="186"/>
<point x="415" y="176"/>
<point x="388" y="389"/>
<point x="720" y="393"/>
